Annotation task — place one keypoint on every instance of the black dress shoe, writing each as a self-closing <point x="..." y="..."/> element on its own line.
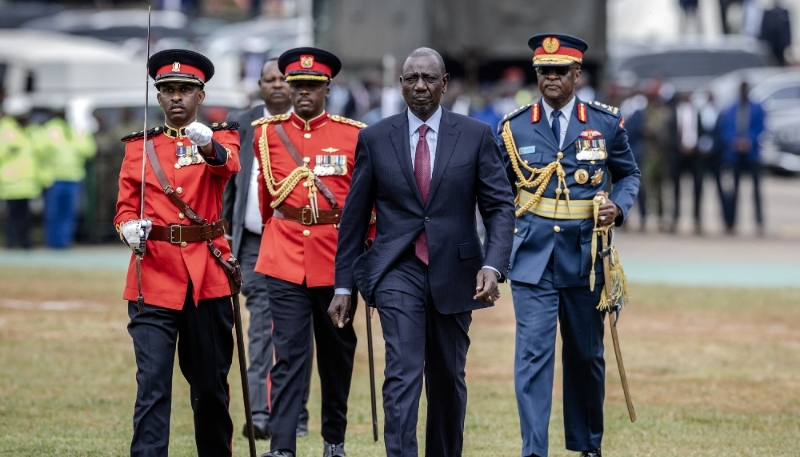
<point x="258" y="432"/>
<point x="278" y="454"/>
<point x="594" y="453"/>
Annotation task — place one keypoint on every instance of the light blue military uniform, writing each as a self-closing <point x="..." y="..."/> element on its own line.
<point x="552" y="259"/>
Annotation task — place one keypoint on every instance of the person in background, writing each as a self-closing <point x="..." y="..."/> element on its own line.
<point x="741" y="124"/>
<point x="633" y="111"/>
<point x="658" y="133"/>
<point x="685" y="158"/>
<point x="19" y="180"/>
<point x="63" y="153"/>
<point x="709" y="147"/>
<point x="776" y="31"/>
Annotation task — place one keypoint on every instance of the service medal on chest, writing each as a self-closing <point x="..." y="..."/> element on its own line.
<point x="590" y="150"/>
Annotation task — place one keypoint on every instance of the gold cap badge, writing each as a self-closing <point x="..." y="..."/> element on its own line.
<point x="306" y="61"/>
<point x="551" y="44"/>
<point x="176" y="67"/>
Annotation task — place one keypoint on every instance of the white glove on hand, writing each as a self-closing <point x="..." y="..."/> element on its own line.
<point x="199" y="134"/>
<point x="135" y="232"/>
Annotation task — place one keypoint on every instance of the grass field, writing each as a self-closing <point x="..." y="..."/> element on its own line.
<point x="713" y="372"/>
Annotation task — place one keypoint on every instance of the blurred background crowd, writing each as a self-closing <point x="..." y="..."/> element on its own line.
<point x="708" y="88"/>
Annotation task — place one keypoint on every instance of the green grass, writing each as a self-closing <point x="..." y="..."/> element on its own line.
<point x="712" y="372"/>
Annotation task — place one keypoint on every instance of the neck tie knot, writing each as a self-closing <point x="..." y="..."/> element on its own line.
<point x="423" y="129"/>
<point x="556" y="113"/>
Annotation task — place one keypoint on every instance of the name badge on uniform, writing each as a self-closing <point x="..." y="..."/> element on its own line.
<point x="330" y="165"/>
<point x="591" y="150"/>
<point x="527" y="150"/>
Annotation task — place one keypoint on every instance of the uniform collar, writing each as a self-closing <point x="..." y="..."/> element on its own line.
<point x="566" y="111"/>
<point x="312" y="124"/>
<point x="173" y="132"/>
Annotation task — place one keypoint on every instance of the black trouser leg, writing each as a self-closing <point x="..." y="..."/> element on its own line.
<point x="18" y="224"/>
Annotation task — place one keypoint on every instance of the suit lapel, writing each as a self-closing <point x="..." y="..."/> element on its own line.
<point x="400" y="141"/>
<point x="445" y="145"/>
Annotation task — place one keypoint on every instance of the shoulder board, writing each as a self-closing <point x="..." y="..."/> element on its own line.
<point x="344" y="120"/>
<point x="155" y="131"/>
<point x="225" y="126"/>
<point x="515" y="113"/>
<point x="271" y="119"/>
<point x="613" y="110"/>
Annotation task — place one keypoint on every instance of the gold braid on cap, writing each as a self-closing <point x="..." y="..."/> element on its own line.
<point x="539" y="177"/>
<point x="307" y="78"/>
<point x="280" y="190"/>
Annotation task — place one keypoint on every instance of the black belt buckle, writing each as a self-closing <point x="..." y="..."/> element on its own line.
<point x="172" y="229"/>
<point x="306" y="210"/>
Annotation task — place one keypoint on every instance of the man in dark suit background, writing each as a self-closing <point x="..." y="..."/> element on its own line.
<point x="240" y="207"/>
<point x="423" y="171"/>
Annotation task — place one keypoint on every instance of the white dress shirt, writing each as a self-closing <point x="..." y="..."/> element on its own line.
<point x="566" y="114"/>
<point x="252" y="212"/>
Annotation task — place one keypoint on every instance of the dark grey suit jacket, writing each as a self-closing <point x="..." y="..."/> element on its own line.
<point x="468" y="169"/>
<point x="234" y="200"/>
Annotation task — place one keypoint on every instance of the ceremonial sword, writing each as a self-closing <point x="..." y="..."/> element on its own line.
<point x="142" y="231"/>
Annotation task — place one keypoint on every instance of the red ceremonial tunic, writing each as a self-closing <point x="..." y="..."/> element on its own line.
<point x="168" y="268"/>
<point x="290" y="250"/>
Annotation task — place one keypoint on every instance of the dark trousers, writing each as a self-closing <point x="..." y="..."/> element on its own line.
<point x="260" y="350"/>
<point x="295" y="308"/>
<point x="742" y="165"/>
<point x="538" y="308"/>
<point x="420" y="340"/>
<point x="205" y="348"/>
<point x="18" y="224"/>
<point x="692" y="164"/>
<point x="60" y="213"/>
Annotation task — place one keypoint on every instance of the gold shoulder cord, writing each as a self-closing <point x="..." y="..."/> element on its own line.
<point x="281" y="190"/>
<point x="539" y="182"/>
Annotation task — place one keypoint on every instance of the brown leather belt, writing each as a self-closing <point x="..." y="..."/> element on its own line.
<point x="177" y="233"/>
<point x="305" y="216"/>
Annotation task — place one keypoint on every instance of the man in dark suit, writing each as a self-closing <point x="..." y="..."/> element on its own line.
<point x="423" y="171"/>
<point x="240" y="207"/>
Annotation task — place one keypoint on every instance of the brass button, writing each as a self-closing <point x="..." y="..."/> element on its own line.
<point x="183" y="244"/>
<point x="181" y="216"/>
<point x="516" y="230"/>
<point x="556" y="229"/>
<point x="179" y="190"/>
<point x="306" y="232"/>
<point x="525" y="162"/>
<point x="307" y="135"/>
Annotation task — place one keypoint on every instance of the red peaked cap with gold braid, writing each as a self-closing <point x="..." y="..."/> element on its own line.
<point x="309" y="64"/>
<point x="180" y="65"/>
<point x="556" y="49"/>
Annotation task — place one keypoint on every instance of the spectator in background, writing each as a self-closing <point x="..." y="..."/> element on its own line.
<point x="658" y="133"/>
<point x="685" y="158"/>
<point x="740" y="126"/>
<point x="690" y="17"/>
<point x="63" y="153"/>
<point x="723" y="11"/>
<point x="776" y="30"/>
<point x="633" y="111"/>
<point x="19" y="181"/>
<point x="752" y="17"/>
<point x="710" y="150"/>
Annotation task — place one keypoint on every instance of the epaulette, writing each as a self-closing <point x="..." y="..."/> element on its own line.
<point x="155" y="131"/>
<point x="225" y="126"/>
<point x="515" y="112"/>
<point x="344" y="120"/>
<point x="613" y="110"/>
<point x="270" y="119"/>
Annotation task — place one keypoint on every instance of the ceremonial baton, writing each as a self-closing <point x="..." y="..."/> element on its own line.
<point x="237" y="321"/>
<point x="371" y="358"/>
<point x="142" y="233"/>
<point x="612" y="323"/>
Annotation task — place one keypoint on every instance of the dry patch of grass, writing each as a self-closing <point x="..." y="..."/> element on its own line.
<point x="712" y="371"/>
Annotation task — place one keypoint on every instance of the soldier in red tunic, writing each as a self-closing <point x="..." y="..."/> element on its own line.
<point x="306" y="161"/>
<point x="185" y="288"/>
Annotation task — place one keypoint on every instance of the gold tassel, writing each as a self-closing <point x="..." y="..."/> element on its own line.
<point x="619" y="285"/>
<point x="596" y="202"/>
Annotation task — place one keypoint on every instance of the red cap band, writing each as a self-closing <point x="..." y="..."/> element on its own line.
<point x="315" y="67"/>
<point x="562" y="51"/>
<point x="178" y="67"/>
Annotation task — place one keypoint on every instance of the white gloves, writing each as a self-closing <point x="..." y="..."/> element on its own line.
<point x="199" y="134"/>
<point x="134" y="233"/>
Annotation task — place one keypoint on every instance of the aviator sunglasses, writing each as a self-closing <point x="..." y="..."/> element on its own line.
<point x="544" y="71"/>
